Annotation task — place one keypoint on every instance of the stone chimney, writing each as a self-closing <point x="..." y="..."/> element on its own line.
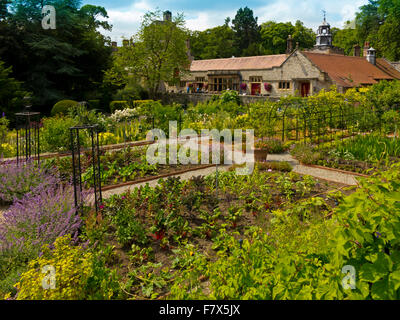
<point x="289" y="44"/>
<point x="167" y="15"/>
<point x="125" y="43"/>
<point x="366" y="47"/>
<point x="356" y="50"/>
<point x="114" y="46"/>
<point x="189" y="53"/>
<point x="371" y="55"/>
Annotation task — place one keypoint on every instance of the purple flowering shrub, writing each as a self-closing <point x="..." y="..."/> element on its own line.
<point x="18" y="181"/>
<point x="37" y="220"/>
<point x="30" y="223"/>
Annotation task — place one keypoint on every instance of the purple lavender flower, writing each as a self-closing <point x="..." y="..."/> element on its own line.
<point x="378" y="234"/>
<point x="39" y="219"/>
<point x="17" y="181"/>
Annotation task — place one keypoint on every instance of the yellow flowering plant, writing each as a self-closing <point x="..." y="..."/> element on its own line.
<point x="66" y="272"/>
<point x="7" y="150"/>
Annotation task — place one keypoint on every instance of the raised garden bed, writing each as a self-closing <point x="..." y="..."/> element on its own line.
<point x="158" y="231"/>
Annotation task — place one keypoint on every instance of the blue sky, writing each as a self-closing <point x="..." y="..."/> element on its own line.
<point x="125" y="15"/>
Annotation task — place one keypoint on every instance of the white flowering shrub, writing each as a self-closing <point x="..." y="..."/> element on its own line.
<point x="124" y="115"/>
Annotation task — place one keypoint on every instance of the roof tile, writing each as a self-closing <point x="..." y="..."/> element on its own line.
<point x="346" y="70"/>
<point x="243" y="63"/>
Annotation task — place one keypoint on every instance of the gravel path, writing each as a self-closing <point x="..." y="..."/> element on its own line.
<point x="343" y="178"/>
<point x="2" y="210"/>
<point x="339" y="177"/>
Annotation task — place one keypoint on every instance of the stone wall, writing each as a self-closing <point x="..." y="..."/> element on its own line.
<point x="195" y="98"/>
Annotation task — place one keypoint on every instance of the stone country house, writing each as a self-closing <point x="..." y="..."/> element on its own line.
<point x="296" y="72"/>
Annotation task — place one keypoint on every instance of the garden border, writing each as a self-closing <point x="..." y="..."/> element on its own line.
<point x="129" y="183"/>
<point x="336" y="170"/>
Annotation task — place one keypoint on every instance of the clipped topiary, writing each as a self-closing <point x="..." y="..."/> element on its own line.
<point x="118" y="105"/>
<point x="138" y="103"/>
<point x="63" y="106"/>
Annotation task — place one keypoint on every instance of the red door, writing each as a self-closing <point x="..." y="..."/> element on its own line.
<point x="305" y="89"/>
<point x="255" y="89"/>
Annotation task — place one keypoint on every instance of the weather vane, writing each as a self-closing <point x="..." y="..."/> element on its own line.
<point x="324" y="14"/>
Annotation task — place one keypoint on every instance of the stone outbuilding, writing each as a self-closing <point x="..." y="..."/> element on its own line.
<point x="296" y="72"/>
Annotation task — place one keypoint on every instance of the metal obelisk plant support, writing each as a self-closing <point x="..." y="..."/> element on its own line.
<point x="77" y="168"/>
<point x="28" y="134"/>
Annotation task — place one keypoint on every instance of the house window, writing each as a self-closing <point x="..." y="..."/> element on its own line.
<point x="255" y="79"/>
<point x="218" y="84"/>
<point x="182" y="84"/>
<point x="284" y="85"/>
<point x="199" y="79"/>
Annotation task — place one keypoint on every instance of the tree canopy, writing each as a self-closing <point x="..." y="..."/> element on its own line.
<point x="213" y="43"/>
<point x="156" y="54"/>
<point x="274" y="36"/>
<point x="379" y="23"/>
<point x="247" y="33"/>
<point x="11" y="92"/>
<point x="66" y="62"/>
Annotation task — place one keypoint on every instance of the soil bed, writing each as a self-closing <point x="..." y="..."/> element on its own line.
<point x="176" y="220"/>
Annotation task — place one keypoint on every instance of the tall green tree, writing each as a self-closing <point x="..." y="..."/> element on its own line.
<point x="11" y="92"/>
<point x="247" y="33"/>
<point x="213" y="43"/>
<point x="378" y="22"/>
<point x="3" y="8"/>
<point x="274" y="36"/>
<point x="158" y="53"/>
<point x="67" y="62"/>
<point x="346" y="39"/>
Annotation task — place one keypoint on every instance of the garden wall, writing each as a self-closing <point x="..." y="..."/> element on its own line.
<point x="186" y="98"/>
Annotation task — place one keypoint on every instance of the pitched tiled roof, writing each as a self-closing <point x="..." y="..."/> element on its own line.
<point x="347" y="71"/>
<point x="244" y="63"/>
<point x="387" y="67"/>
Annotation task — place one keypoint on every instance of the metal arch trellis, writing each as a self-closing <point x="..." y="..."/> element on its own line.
<point x="76" y="148"/>
<point x="285" y="108"/>
<point x="28" y="134"/>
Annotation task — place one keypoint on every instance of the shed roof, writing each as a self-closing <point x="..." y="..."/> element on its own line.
<point x="348" y="71"/>
<point x="243" y="63"/>
<point x="386" y="66"/>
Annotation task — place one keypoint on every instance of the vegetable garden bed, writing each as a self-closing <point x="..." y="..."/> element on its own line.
<point x="364" y="154"/>
<point x="158" y="232"/>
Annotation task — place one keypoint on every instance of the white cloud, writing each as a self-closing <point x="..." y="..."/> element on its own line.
<point x="206" y="19"/>
<point x="126" y="21"/>
<point x="142" y="5"/>
<point x="310" y="12"/>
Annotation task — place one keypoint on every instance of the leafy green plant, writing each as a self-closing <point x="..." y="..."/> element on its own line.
<point x="55" y="134"/>
<point x="129" y="228"/>
<point x="305" y="154"/>
<point x="286" y="186"/>
<point x="230" y="95"/>
<point x="62" y="107"/>
<point x="283" y="166"/>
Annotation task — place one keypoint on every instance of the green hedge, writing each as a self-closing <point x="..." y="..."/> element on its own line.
<point x="94" y="104"/>
<point x="118" y="105"/>
<point x="63" y="106"/>
<point x="137" y="103"/>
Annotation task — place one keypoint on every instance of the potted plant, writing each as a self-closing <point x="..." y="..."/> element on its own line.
<point x="243" y="86"/>
<point x="268" y="87"/>
<point x="261" y="149"/>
